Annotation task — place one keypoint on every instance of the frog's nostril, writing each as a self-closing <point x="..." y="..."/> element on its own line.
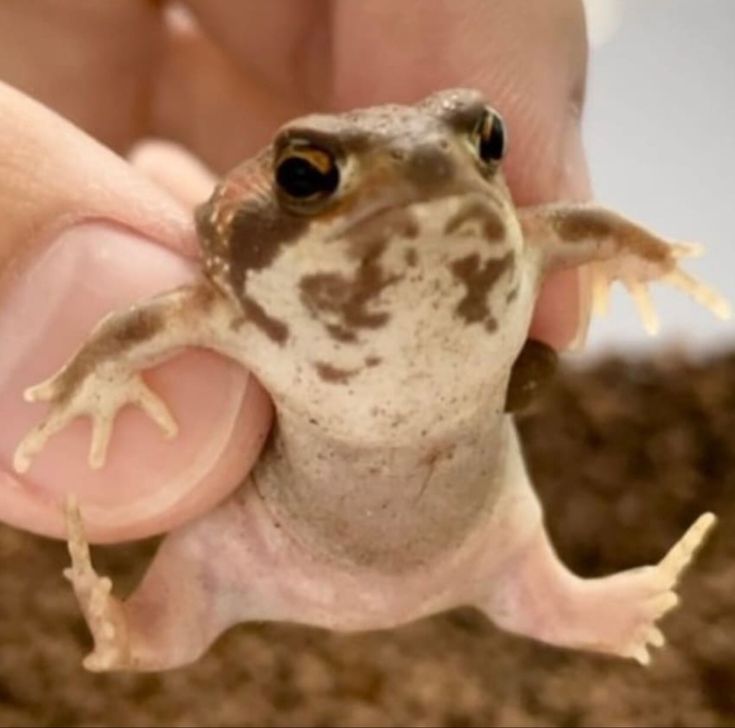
<point x="430" y="166"/>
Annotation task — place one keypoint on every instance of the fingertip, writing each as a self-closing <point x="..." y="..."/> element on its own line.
<point x="175" y="169"/>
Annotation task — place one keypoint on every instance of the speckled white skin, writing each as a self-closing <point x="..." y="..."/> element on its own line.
<point x="385" y="326"/>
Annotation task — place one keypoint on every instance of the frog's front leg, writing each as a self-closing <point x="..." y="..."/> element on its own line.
<point x="615" y="248"/>
<point x="104" y="375"/>
<point x="537" y="596"/>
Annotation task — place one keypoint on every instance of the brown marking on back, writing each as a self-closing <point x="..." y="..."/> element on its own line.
<point x="532" y="371"/>
<point x="479" y="280"/>
<point x="273" y="328"/>
<point x="348" y="298"/>
<point x="411" y="257"/>
<point x="372" y="361"/>
<point x="335" y="375"/>
<point x="493" y="226"/>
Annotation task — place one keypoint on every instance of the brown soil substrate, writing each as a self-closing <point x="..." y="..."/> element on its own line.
<point x="625" y="456"/>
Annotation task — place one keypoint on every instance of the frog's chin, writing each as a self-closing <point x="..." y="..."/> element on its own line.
<point x="395" y="417"/>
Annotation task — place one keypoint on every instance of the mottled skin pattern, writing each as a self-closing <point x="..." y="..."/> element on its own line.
<point x="384" y="318"/>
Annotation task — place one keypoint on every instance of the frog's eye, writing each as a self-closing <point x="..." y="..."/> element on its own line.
<point x="306" y="172"/>
<point x="488" y="137"/>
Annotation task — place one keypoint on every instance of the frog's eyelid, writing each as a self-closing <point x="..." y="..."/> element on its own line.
<point x="466" y="119"/>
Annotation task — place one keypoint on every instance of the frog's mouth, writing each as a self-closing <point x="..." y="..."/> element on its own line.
<point x="444" y="216"/>
<point x="380" y="223"/>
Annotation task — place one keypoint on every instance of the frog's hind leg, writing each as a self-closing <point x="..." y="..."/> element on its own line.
<point x="537" y="596"/>
<point x="162" y="625"/>
<point x="180" y="607"/>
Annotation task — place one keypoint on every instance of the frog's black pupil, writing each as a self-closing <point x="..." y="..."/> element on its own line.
<point x="299" y="178"/>
<point x="492" y="141"/>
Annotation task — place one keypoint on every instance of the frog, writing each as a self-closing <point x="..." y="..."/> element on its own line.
<point x="371" y="269"/>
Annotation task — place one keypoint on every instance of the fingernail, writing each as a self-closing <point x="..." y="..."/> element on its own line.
<point x="49" y="308"/>
<point x="88" y="270"/>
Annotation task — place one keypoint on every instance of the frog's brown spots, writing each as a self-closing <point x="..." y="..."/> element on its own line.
<point x="273" y="328"/>
<point x="580" y="224"/>
<point x="411" y="257"/>
<point x="259" y="230"/>
<point x="372" y="361"/>
<point x="118" y="334"/>
<point x="335" y="375"/>
<point x="341" y="333"/>
<point x="489" y="220"/>
<point x="532" y="371"/>
<point x="380" y="228"/>
<point x="242" y="227"/>
<point x="479" y="279"/>
<point x="204" y="296"/>
<point x="348" y="298"/>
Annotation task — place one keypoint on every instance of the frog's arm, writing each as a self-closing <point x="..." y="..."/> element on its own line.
<point x="615" y="248"/>
<point x="104" y="375"/>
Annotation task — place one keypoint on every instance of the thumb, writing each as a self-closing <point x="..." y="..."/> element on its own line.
<point x="83" y="234"/>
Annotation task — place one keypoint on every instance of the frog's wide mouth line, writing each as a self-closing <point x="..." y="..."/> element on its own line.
<point x="409" y="208"/>
<point x="368" y="217"/>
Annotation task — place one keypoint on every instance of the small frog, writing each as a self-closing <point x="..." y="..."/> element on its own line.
<point x="371" y="270"/>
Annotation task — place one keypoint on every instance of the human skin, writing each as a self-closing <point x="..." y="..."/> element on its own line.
<point x="85" y="232"/>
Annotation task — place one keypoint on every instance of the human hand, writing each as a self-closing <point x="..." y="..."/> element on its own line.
<point x="84" y="233"/>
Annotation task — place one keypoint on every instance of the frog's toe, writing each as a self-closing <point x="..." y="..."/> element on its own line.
<point x="642" y="299"/>
<point x="101" y="434"/>
<point x="700" y="292"/>
<point x="154" y="407"/>
<point x="681" y="554"/>
<point x="35" y="440"/>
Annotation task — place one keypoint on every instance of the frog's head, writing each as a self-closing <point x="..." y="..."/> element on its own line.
<point x="380" y="244"/>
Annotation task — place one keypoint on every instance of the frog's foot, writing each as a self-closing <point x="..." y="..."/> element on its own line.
<point x="616" y="615"/>
<point x="103" y="612"/>
<point x="99" y="395"/>
<point x="657" y="260"/>
<point x="631" y="603"/>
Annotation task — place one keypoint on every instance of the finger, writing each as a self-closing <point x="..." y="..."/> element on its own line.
<point x="175" y="169"/>
<point x="208" y="102"/>
<point x="91" y="61"/>
<point x="531" y="63"/>
<point x="82" y="234"/>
